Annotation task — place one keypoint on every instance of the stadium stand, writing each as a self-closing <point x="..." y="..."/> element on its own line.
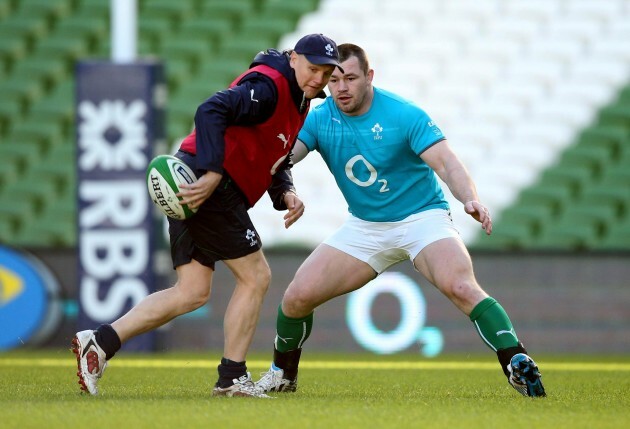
<point x="534" y="96"/>
<point x="204" y="44"/>
<point x="525" y="92"/>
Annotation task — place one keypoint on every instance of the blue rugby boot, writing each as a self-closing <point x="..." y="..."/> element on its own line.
<point x="524" y="376"/>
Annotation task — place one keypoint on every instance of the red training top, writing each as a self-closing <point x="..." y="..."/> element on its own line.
<point x="253" y="153"/>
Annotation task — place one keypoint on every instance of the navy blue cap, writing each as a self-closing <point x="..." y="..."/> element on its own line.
<point x="318" y="49"/>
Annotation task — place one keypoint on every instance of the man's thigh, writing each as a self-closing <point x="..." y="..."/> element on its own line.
<point x="250" y="269"/>
<point x="444" y="262"/>
<point x="329" y="272"/>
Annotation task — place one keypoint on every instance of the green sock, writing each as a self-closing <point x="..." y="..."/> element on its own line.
<point x="493" y="325"/>
<point x="291" y="333"/>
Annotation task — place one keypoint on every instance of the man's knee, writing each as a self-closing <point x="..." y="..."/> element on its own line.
<point x="461" y="289"/>
<point x="193" y="285"/>
<point x="257" y="278"/>
<point x="296" y="301"/>
<point x="193" y="295"/>
<point x="464" y="292"/>
<point x="263" y="278"/>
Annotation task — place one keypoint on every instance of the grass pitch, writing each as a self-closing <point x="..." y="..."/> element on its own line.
<point x="40" y="390"/>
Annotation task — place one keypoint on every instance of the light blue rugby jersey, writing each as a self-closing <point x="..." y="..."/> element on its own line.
<point x="374" y="157"/>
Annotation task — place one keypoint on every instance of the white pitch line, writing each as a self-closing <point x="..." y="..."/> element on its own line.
<point x="386" y="365"/>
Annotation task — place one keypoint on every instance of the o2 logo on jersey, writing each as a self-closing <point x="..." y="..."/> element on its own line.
<point x="410" y="328"/>
<point x="371" y="170"/>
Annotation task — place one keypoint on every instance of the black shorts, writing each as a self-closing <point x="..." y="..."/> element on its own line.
<point x="221" y="229"/>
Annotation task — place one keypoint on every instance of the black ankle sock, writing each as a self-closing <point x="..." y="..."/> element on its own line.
<point x="229" y="370"/>
<point x="288" y="361"/>
<point x="108" y="340"/>
<point x="505" y="355"/>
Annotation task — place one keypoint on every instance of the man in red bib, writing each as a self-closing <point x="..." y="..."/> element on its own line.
<point x="239" y="150"/>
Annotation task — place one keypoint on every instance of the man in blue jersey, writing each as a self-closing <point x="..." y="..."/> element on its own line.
<point x="386" y="155"/>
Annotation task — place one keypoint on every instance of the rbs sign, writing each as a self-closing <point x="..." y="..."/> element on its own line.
<point x="119" y="117"/>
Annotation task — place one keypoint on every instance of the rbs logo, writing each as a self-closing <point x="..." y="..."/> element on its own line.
<point x="115" y="215"/>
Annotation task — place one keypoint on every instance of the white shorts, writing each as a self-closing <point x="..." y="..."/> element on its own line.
<point x="383" y="244"/>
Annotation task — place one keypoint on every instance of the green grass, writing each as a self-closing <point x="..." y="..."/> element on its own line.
<point x="39" y="390"/>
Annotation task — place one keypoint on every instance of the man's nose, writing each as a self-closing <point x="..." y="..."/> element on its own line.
<point x="319" y="79"/>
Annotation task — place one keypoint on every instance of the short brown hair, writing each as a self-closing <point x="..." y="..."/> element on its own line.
<point x="347" y="50"/>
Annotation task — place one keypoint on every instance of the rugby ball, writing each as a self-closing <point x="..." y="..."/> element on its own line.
<point x="164" y="175"/>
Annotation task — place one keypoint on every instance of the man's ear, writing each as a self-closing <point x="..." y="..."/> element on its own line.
<point x="293" y="59"/>
<point x="370" y="75"/>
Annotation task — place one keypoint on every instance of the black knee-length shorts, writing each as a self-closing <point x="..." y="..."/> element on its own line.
<point x="221" y="229"/>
